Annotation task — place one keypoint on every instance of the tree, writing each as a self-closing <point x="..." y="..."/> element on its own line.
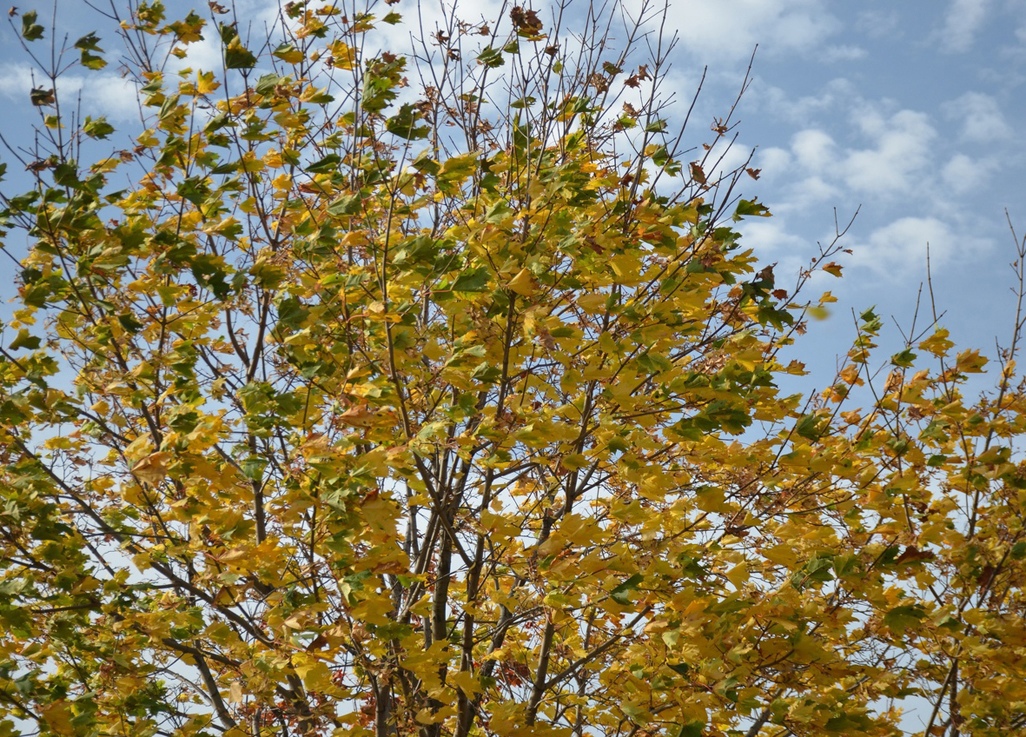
<point x="371" y="393"/>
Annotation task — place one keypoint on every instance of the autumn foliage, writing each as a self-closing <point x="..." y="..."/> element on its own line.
<point x="357" y="390"/>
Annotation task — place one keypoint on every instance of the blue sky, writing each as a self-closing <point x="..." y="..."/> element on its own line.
<point x="910" y="112"/>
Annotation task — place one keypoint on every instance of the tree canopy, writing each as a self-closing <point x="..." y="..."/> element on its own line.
<point x="377" y="386"/>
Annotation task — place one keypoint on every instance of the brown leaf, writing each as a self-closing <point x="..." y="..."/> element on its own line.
<point x="912" y="554"/>
<point x="525" y="21"/>
<point x="40" y="96"/>
<point x="697" y="174"/>
<point x="318" y="642"/>
<point x="986" y="576"/>
<point x="39" y="165"/>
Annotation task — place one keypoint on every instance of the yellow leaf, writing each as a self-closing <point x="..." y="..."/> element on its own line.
<point x="466" y="682"/>
<point x="970" y="362"/>
<point x="938" y="343"/>
<point x="153" y="468"/>
<point x="315" y="674"/>
<point x="139" y="448"/>
<point x="273" y="159"/>
<point x="523" y="283"/>
<point x="592" y="301"/>
<point x="205" y="83"/>
<point x="57" y="716"/>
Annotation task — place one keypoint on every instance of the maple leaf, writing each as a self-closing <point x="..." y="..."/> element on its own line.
<point x="526" y="22"/>
<point x="339" y="402"/>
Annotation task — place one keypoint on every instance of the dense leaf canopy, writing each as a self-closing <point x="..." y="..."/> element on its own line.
<point x="368" y="392"/>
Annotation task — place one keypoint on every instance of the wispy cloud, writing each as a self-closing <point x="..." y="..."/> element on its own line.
<point x="900" y="148"/>
<point x="878" y="23"/>
<point x="897" y="149"/>
<point x="962" y="21"/>
<point x="730" y="29"/>
<point x="963" y="174"/>
<point x="843" y="52"/>
<point x="900" y="248"/>
<point x="981" y="117"/>
<point x="781" y="104"/>
<point x="15" y="81"/>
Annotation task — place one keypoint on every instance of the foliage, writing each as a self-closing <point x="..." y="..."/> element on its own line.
<point x="365" y="393"/>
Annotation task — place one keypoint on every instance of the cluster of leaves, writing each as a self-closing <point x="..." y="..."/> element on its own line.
<point x="368" y="408"/>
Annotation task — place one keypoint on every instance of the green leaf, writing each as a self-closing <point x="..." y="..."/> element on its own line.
<point x="900" y="618"/>
<point x="30" y="30"/>
<point x="194" y="189"/>
<point x="327" y="164"/>
<point x="473" y="281"/>
<point x="253" y="468"/>
<point x="346" y="205"/>
<point x="98" y="128"/>
<point x="680" y="668"/>
<point x="904" y="359"/>
<point x="87" y="45"/>
<point x="491" y="58"/>
<point x="750" y="208"/>
<point x="25" y="340"/>
<point x="620" y="593"/>
<point x="404" y="124"/>
<point x="129" y="323"/>
<point x="266" y="84"/>
<point x="237" y="56"/>
<point x="812" y="427"/>
<point x="693" y="729"/>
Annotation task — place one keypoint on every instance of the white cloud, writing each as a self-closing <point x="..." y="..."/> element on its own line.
<point x="878" y="23"/>
<point x="899" y="248"/>
<point x="115" y="97"/>
<point x="204" y="55"/>
<point x="896" y="160"/>
<point x="981" y="117"/>
<point x="844" y="52"/>
<point x="15" y="81"/>
<point x="730" y="29"/>
<point x="963" y="174"/>
<point x="774" y="242"/>
<point x="892" y="154"/>
<point x="814" y="150"/>
<point x="773" y="161"/>
<point x="836" y="92"/>
<point x="102" y="93"/>
<point x="961" y="22"/>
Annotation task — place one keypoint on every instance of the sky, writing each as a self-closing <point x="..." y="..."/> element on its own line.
<point x="910" y="114"/>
